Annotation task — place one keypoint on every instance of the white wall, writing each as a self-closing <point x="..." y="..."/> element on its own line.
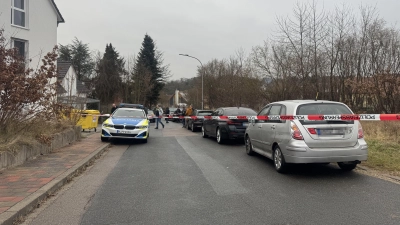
<point x="176" y="97"/>
<point x="69" y="82"/>
<point x="41" y="31"/>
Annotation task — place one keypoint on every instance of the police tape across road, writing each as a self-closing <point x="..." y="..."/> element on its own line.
<point x="381" y="117"/>
<point x="371" y="117"/>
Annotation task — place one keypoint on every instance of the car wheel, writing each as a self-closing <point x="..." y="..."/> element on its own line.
<point x="279" y="160"/>
<point x="203" y="132"/>
<point x="220" y="140"/>
<point x="104" y="139"/>
<point x="347" y="166"/>
<point x="249" y="148"/>
<point x="192" y="128"/>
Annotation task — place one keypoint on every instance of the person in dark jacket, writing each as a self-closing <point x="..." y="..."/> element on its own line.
<point x="167" y="114"/>
<point x="183" y="114"/>
<point x="177" y="113"/>
<point x="114" y="107"/>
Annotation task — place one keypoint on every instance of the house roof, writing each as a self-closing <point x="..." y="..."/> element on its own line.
<point x="60" y="89"/>
<point x="81" y="87"/>
<point x="60" y="18"/>
<point x="63" y="67"/>
<point x="181" y="95"/>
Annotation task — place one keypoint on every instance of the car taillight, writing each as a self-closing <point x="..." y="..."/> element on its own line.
<point x="312" y="131"/>
<point x="230" y="122"/>
<point x="296" y="134"/>
<point x="360" y="131"/>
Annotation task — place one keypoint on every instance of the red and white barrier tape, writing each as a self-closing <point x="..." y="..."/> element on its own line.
<point x="381" y="117"/>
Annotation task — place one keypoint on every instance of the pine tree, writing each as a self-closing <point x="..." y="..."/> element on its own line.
<point x="148" y="67"/>
<point x="64" y="52"/>
<point x="79" y="54"/>
<point x="108" y="83"/>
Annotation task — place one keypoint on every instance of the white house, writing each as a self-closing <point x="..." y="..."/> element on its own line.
<point x="178" y="99"/>
<point x="31" y="26"/>
<point x="70" y="90"/>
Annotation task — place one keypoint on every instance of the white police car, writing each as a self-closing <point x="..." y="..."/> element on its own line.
<point x="126" y="123"/>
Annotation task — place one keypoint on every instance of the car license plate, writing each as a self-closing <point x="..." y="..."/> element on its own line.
<point x="330" y="132"/>
<point x="123" y="131"/>
<point x="245" y="124"/>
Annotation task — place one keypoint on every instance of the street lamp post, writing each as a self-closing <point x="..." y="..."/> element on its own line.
<point x="202" y="80"/>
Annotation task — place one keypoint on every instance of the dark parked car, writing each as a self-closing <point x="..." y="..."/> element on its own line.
<point x="177" y="114"/>
<point x="171" y="114"/>
<point x="193" y="124"/>
<point x="225" y="129"/>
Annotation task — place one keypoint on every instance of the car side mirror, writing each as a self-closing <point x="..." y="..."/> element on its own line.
<point x="252" y="120"/>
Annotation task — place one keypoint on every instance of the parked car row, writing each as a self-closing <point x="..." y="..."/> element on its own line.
<point x="291" y="141"/>
<point x="283" y="141"/>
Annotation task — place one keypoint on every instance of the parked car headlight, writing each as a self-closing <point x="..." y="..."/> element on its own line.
<point x="141" y="127"/>
<point x="108" y="125"/>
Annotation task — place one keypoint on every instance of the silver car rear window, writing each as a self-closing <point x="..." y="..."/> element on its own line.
<point x="204" y="113"/>
<point x="323" y="109"/>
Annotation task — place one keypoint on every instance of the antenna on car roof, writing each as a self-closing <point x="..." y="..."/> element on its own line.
<point x="316" y="97"/>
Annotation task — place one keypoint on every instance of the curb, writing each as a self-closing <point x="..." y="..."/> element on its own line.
<point x="25" y="206"/>
<point x="396" y="178"/>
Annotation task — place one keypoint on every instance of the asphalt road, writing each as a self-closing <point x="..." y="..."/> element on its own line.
<point x="178" y="177"/>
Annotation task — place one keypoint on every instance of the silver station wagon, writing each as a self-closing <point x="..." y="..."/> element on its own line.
<point x="307" y="141"/>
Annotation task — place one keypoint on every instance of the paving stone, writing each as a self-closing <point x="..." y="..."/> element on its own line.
<point x="19" y="182"/>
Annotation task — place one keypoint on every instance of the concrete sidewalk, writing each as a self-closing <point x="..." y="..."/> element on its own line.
<point x="23" y="187"/>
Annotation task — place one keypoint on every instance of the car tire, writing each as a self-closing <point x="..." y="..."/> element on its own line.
<point x="249" y="148"/>
<point x="220" y="140"/>
<point x="192" y="127"/>
<point x="347" y="166"/>
<point x="104" y="139"/>
<point x="279" y="161"/>
<point x="203" y="132"/>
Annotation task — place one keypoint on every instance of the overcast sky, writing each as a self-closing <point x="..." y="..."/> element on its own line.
<point x="206" y="29"/>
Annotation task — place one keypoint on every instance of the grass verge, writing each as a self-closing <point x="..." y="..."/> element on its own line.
<point x="15" y="135"/>
<point x="383" y="140"/>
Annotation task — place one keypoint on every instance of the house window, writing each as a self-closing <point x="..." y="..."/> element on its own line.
<point x="18" y="13"/>
<point x="21" y="46"/>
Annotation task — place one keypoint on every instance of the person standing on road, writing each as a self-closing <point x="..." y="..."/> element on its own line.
<point x="177" y="113"/>
<point x="167" y="114"/>
<point x="183" y="115"/>
<point x="114" y="107"/>
<point x="189" y="112"/>
<point x="158" y="112"/>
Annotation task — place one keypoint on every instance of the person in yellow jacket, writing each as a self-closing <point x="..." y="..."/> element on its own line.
<point x="189" y="112"/>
